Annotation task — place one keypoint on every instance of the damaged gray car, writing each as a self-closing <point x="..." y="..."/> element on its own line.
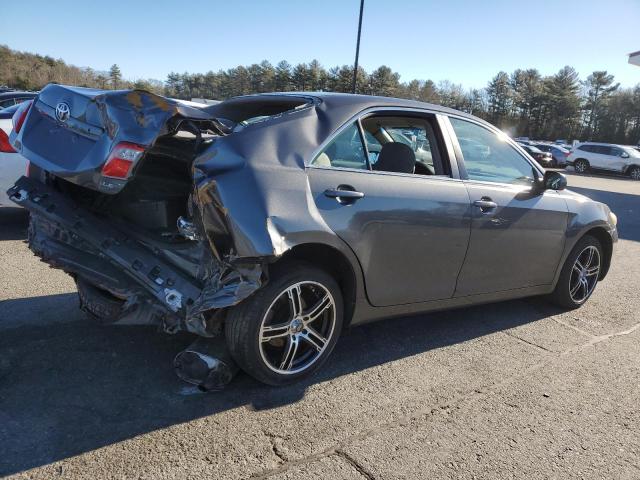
<point x="271" y="222"/>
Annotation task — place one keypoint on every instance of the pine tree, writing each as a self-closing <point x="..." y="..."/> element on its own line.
<point x="600" y="86"/>
<point x="115" y="76"/>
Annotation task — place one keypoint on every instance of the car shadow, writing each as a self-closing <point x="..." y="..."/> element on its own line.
<point x="72" y="387"/>
<point x="13" y="223"/>
<point x="626" y="206"/>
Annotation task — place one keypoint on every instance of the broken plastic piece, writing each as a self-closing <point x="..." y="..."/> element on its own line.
<point x="206" y="363"/>
<point x="187" y="229"/>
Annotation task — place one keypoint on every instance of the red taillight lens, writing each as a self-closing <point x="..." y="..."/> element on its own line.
<point x="122" y="159"/>
<point x="5" y="146"/>
<point x="20" y="115"/>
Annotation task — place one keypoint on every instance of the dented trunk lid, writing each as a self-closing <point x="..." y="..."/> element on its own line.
<point x="71" y="131"/>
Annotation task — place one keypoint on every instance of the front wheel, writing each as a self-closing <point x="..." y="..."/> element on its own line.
<point x="580" y="273"/>
<point x="634" y="172"/>
<point x="286" y="330"/>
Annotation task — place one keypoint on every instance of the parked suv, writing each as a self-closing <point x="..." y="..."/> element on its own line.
<point x="606" y="156"/>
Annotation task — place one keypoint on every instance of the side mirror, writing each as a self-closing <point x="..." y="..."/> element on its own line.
<point x="624" y="155"/>
<point x="553" y="180"/>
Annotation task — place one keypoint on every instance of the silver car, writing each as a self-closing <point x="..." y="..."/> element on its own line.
<point x="274" y="221"/>
<point x="621" y="159"/>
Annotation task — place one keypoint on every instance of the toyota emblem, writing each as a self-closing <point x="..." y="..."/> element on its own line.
<point x="62" y="112"/>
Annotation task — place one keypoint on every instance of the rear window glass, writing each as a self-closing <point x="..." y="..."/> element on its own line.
<point x="243" y="111"/>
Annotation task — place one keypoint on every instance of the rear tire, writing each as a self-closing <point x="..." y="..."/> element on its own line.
<point x="579" y="275"/>
<point x="275" y="335"/>
<point x="581" y="165"/>
<point x="634" y="173"/>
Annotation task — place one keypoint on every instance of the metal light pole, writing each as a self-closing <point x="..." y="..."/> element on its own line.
<point x="355" y="67"/>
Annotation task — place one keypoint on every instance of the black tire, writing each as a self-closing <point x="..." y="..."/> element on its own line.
<point x="581" y="165"/>
<point x="243" y="322"/>
<point x="98" y="303"/>
<point x="634" y="172"/>
<point x="561" y="295"/>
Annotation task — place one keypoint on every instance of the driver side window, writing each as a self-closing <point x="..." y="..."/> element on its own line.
<point x="489" y="158"/>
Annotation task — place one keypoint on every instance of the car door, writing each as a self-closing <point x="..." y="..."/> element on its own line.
<point x="517" y="234"/>
<point x="600" y="157"/>
<point x="616" y="161"/>
<point x="409" y="232"/>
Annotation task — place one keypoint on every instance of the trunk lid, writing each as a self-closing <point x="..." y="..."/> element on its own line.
<point x="72" y="131"/>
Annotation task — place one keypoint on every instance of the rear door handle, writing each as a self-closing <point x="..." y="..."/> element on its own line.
<point x="486" y="205"/>
<point x="345" y="194"/>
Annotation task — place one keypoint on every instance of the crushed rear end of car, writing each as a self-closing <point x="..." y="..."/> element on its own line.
<point x="158" y="221"/>
<point x="113" y="203"/>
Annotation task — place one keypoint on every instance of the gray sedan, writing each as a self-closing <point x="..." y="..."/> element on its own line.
<point x="275" y="221"/>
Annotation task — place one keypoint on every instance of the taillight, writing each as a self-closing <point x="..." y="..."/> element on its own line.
<point x="20" y="115"/>
<point x="122" y="159"/>
<point x="5" y="146"/>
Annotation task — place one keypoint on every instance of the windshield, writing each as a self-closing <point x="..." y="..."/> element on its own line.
<point x="632" y="151"/>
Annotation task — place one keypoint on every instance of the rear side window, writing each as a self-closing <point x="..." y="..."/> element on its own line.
<point x="344" y="151"/>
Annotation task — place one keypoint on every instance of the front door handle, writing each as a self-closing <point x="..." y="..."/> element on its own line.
<point x="344" y="194"/>
<point x="486" y="204"/>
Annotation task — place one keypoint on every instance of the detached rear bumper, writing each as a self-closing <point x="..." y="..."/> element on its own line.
<point x="105" y="255"/>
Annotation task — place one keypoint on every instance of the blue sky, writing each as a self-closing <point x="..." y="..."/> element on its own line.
<point x="464" y="41"/>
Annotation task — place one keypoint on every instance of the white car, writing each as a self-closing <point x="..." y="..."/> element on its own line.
<point x="606" y="156"/>
<point x="12" y="164"/>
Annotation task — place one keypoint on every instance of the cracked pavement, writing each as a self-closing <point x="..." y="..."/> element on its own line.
<point x="511" y="390"/>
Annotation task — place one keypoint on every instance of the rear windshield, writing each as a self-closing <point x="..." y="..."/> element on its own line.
<point x="243" y="111"/>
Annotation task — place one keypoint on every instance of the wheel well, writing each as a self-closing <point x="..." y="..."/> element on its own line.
<point x="334" y="263"/>
<point x="607" y="245"/>
<point x="583" y="159"/>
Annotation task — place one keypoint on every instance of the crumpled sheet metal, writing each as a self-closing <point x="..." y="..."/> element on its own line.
<point x="229" y="286"/>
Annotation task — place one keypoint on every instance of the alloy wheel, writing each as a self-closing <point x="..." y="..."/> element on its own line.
<point x="635" y="173"/>
<point x="580" y="167"/>
<point x="297" y="327"/>
<point x="584" y="274"/>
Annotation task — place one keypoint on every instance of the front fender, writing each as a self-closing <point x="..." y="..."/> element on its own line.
<point x="585" y="216"/>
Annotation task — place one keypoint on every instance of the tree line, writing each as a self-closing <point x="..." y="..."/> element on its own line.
<point x="523" y="102"/>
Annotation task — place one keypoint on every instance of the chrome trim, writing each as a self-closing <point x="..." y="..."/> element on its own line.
<point x="380" y="172"/>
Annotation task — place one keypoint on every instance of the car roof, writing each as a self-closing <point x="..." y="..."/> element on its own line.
<point x="363" y="101"/>
<point x="602" y="143"/>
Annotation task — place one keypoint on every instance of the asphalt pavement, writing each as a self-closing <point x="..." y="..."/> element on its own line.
<point x="518" y="389"/>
